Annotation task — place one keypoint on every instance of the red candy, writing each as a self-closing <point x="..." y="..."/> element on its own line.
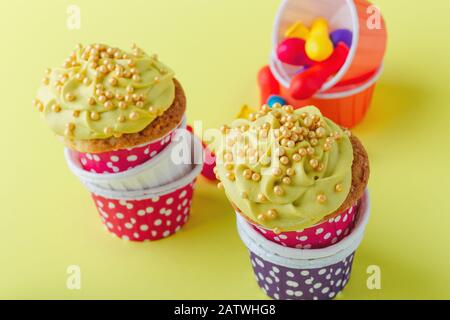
<point x="292" y="51"/>
<point x="209" y="162"/>
<point x="268" y="85"/>
<point x="306" y="84"/>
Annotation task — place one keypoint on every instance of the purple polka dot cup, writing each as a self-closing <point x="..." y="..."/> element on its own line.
<point x="171" y="164"/>
<point x="285" y="273"/>
<point x="150" y="214"/>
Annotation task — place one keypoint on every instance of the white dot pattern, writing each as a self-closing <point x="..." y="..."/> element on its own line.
<point x="148" y="219"/>
<point x="284" y="283"/>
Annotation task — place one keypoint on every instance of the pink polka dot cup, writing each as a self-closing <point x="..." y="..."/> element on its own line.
<point x="319" y="236"/>
<point x="124" y="159"/>
<point x="151" y="218"/>
<point x="171" y="164"/>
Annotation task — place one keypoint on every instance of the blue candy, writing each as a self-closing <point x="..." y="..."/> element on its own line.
<point x="275" y="99"/>
<point x="342" y="35"/>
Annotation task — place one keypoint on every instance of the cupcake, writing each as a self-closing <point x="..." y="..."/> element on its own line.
<point x="295" y="177"/>
<point x="104" y="101"/>
<point x="121" y="117"/>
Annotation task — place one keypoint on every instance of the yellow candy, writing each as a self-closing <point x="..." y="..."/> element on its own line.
<point x="319" y="46"/>
<point x="297" y="30"/>
<point x="245" y="112"/>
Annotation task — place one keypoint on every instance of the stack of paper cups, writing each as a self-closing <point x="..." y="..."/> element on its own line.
<point x="150" y="201"/>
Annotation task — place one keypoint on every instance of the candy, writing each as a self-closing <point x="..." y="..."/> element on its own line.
<point x="306" y="84"/>
<point x="318" y="45"/>
<point x="275" y="99"/>
<point x="268" y="85"/>
<point x="297" y="30"/>
<point x="209" y="162"/>
<point x="342" y="35"/>
<point x="292" y="51"/>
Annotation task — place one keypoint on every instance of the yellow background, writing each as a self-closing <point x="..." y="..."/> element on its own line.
<point x="48" y="221"/>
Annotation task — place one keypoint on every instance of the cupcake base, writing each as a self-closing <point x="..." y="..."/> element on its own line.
<point x="303" y="274"/>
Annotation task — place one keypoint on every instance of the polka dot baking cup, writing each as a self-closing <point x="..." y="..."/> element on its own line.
<point x="303" y="274"/>
<point x="152" y="218"/>
<point x="319" y="236"/>
<point x="148" y="214"/>
<point x="124" y="159"/>
<point x="169" y="165"/>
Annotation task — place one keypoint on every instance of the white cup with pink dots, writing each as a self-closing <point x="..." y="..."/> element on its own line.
<point x="149" y="214"/>
<point x="125" y="159"/>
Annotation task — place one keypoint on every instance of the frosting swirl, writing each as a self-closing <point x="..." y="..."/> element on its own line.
<point x="102" y="91"/>
<point x="285" y="170"/>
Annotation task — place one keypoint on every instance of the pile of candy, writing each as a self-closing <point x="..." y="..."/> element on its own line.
<point x="318" y="53"/>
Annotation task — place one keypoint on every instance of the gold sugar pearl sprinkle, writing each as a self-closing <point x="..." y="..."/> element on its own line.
<point x="70" y="97"/>
<point x="279" y="191"/>
<point x="314" y="163"/>
<point x="272" y="214"/>
<point x="339" y="187"/>
<point x="134" y="116"/>
<point x="287" y="180"/>
<point x="280" y="152"/>
<point x="94" y="116"/>
<point x="109" y="105"/>
<point x="231" y="176"/>
<point x="121" y="118"/>
<point x="261" y="197"/>
<point x="247" y="174"/>
<point x="256" y="177"/>
<point x="290" y="172"/>
<point x="296" y="157"/>
<point x="56" y="108"/>
<point x="302" y="152"/>
<point x="220" y="185"/>
<point x="277" y="172"/>
<point x="261" y="217"/>
<point x="76" y="113"/>
<point x="310" y="151"/>
<point x="109" y="94"/>
<point x="108" y="130"/>
<point x="284" y="160"/>
<point x="229" y="166"/>
<point x="321" y="198"/>
<point x="122" y="105"/>
<point x="113" y="82"/>
<point x="130" y="89"/>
